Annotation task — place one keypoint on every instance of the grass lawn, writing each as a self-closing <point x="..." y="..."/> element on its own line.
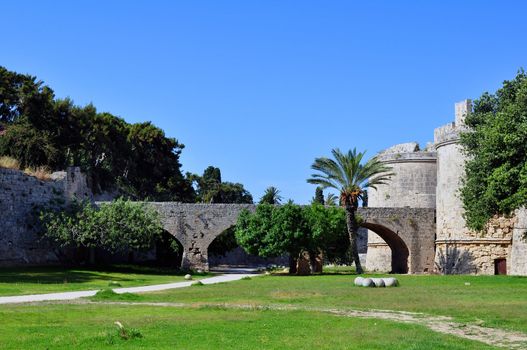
<point x="492" y="301"/>
<point x="18" y="281"/>
<point x="67" y="326"/>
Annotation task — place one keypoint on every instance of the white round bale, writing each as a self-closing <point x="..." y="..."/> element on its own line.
<point x="188" y="277"/>
<point x="358" y="281"/>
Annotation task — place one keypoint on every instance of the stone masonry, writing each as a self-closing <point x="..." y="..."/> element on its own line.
<point x="195" y="226"/>
<point x="20" y="194"/>
<point x="412" y="185"/>
<point x="410" y="231"/>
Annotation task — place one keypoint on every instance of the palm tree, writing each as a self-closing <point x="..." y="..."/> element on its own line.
<point x="346" y="174"/>
<point x="331" y="200"/>
<point x="271" y="196"/>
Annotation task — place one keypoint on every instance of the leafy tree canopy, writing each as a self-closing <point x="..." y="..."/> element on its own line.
<point x="210" y="188"/>
<point x="117" y="226"/>
<point x="276" y="230"/>
<point x="135" y="160"/>
<point x="496" y="145"/>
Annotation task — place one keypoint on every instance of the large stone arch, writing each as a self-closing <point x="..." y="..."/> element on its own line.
<point x="409" y="232"/>
<point x="196" y="226"/>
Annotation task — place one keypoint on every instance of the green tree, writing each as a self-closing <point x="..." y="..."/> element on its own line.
<point x="292" y="229"/>
<point x="271" y="196"/>
<point x="350" y="177"/>
<point x="137" y="161"/>
<point x="210" y="188"/>
<point x="154" y="172"/>
<point x="117" y="226"/>
<point x="319" y="196"/>
<point x="273" y="231"/>
<point x="327" y="232"/>
<point x="496" y="145"/>
<point x="331" y="199"/>
<point x="31" y="147"/>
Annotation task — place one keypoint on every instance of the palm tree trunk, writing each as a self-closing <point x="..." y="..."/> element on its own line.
<point x="351" y="222"/>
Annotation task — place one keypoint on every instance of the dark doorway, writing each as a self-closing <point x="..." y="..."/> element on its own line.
<point x="500" y="266"/>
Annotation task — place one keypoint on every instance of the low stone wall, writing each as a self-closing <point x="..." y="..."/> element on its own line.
<point x="475" y="252"/>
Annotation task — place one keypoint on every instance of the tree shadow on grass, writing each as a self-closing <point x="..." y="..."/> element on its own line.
<point x="54" y="275"/>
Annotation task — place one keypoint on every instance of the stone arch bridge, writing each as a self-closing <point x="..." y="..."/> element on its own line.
<point x="410" y="232"/>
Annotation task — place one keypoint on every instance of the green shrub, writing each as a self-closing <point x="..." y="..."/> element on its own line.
<point x="117" y="226"/>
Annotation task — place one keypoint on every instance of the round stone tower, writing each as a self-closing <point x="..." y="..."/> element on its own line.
<point x="450" y="172"/>
<point x="412" y="185"/>
<point x="459" y="249"/>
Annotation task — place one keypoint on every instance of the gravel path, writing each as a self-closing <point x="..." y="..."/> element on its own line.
<point x="88" y="293"/>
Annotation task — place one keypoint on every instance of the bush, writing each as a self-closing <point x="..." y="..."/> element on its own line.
<point x="117" y="226"/>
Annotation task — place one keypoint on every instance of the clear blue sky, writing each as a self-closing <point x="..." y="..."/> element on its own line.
<point x="261" y="88"/>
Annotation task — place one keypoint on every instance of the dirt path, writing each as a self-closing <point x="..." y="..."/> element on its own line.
<point x="442" y="324"/>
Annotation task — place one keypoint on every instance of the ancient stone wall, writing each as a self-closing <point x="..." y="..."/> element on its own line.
<point x="476" y="252"/>
<point x="20" y="194"/>
<point x="518" y="254"/>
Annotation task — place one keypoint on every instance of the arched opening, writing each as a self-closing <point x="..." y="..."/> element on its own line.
<point x="399" y="250"/>
<point x="224" y="251"/>
<point x="169" y="251"/>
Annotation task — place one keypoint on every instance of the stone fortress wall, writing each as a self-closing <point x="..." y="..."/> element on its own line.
<point x="20" y="194"/>
<point x="433" y="179"/>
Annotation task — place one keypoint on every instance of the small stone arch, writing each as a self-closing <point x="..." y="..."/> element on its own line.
<point x="400" y="252"/>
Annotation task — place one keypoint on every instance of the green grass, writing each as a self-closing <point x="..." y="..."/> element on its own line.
<point x="67" y="326"/>
<point x="18" y="281"/>
<point x="492" y="301"/>
<point x="499" y="301"/>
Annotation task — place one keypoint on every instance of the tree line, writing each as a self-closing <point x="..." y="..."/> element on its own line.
<point x="136" y="161"/>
